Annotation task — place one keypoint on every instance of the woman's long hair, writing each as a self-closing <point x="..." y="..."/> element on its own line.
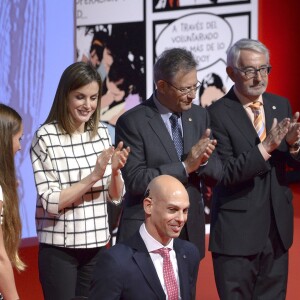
<point x="74" y="77"/>
<point x="10" y="124"/>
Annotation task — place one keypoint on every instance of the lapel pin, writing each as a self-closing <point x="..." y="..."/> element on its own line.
<point x="274" y="107"/>
<point x="184" y="256"/>
<point x="190" y="119"/>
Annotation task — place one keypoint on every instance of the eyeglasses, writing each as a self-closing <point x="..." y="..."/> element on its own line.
<point x="251" y="72"/>
<point x="187" y="90"/>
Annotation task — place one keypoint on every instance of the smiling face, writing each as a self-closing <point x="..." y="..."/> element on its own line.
<point x="167" y="212"/>
<point x="169" y="93"/>
<point x="250" y="88"/>
<point x="82" y="103"/>
<point x="16" y="140"/>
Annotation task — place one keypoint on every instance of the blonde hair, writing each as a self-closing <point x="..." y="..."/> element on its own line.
<point x="10" y="124"/>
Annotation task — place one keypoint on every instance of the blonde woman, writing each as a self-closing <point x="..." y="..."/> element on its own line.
<point x="11" y="131"/>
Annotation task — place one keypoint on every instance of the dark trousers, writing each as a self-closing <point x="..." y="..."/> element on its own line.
<point x="257" y="277"/>
<point x="65" y="273"/>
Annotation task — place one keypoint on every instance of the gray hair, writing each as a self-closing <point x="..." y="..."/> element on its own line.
<point x="233" y="53"/>
<point x="171" y="61"/>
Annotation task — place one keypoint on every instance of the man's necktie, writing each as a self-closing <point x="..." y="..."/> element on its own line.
<point x="177" y="134"/>
<point x="258" y="120"/>
<point x="169" y="274"/>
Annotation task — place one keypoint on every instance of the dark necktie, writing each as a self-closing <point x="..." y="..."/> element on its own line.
<point x="176" y="134"/>
<point x="169" y="274"/>
<point x="258" y="120"/>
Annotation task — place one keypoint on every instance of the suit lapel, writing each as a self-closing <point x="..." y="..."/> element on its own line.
<point x="238" y="115"/>
<point x="187" y="124"/>
<point x="159" y="129"/>
<point x="270" y="112"/>
<point x="143" y="260"/>
<point x="145" y="264"/>
<point x="183" y="272"/>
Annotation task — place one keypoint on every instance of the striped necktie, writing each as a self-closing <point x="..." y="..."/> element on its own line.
<point x="258" y="122"/>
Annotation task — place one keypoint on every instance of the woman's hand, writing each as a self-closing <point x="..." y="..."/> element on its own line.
<point x="119" y="158"/>
<point x="102" y="162"/>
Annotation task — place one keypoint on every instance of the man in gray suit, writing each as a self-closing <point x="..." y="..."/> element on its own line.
<point x="147" y="129"/>
<point x="252" y="212"/>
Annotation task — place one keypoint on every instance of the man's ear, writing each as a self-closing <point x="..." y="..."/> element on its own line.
<point x="147" y="205"/>
<point x="230" y="72"/>
<point x="161" y="86"/>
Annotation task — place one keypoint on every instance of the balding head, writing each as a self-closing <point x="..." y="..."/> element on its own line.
<point x="166" y="206"/>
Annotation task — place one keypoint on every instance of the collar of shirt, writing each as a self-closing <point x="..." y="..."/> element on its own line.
<point x="165" y="114"/>
<point x="246" y="104"/>
<point x="151" y="243"/>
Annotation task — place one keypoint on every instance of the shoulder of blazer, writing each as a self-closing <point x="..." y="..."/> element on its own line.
<point x="274" y="97"/>
<point x="136" y="243"/>
<point x="229" y="100"/>
<point x="183" y="247"/>
<point x="143" y="109"/>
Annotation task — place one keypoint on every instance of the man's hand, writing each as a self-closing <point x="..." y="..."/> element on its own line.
<point x="276" y="134"/>
<point x="119" y="158"/>
<point x="293" y="134"/>
<point x="200" y="152"/>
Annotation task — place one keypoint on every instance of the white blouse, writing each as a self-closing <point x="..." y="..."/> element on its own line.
<point x="60" y="160"/>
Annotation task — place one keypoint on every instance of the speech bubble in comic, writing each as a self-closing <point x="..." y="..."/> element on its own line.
<point x="206" y="35"/>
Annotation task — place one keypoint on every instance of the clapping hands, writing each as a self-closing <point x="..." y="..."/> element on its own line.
<point x="293" y="135"/>
<point x="118" y="158"/>
<point x="200" y="152"/>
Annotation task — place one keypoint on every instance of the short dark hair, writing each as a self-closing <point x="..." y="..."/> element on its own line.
<point x="171" y="61"/>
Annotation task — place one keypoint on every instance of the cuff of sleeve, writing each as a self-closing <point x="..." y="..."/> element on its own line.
<point x="187" y="175"/>
<point x="263" y="152"/>
<point x="294" y="150"/>
<point x="204" y="164"/>
<point x="119" y="200"/>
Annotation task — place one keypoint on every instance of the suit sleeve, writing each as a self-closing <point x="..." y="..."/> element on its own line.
<point x="195" y="271"/>
<point x="137" y="173"/>
<point x="241" y="161"/>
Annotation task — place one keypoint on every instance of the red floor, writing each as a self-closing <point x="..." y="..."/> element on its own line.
<point x="29" y="288"/>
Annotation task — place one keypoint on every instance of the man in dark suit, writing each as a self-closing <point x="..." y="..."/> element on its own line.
<point x="132" y="270"/>
<point x="146" y="128"/>
<point x="252" y="212"/>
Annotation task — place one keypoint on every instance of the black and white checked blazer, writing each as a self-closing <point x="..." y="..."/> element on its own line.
<point x="60" y="160"/>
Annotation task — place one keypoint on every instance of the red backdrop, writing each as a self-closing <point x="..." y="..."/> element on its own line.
<point x="279" y="31"/>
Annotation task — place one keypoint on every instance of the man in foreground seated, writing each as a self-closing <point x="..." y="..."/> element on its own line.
<point x="154" y="263"/>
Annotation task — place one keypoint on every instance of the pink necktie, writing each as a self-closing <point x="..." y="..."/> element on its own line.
<point x="169" y="275"/>
<point x="258" y="120"/>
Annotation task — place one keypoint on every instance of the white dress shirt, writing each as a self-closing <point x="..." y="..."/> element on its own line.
<point x="152" y="245"/>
